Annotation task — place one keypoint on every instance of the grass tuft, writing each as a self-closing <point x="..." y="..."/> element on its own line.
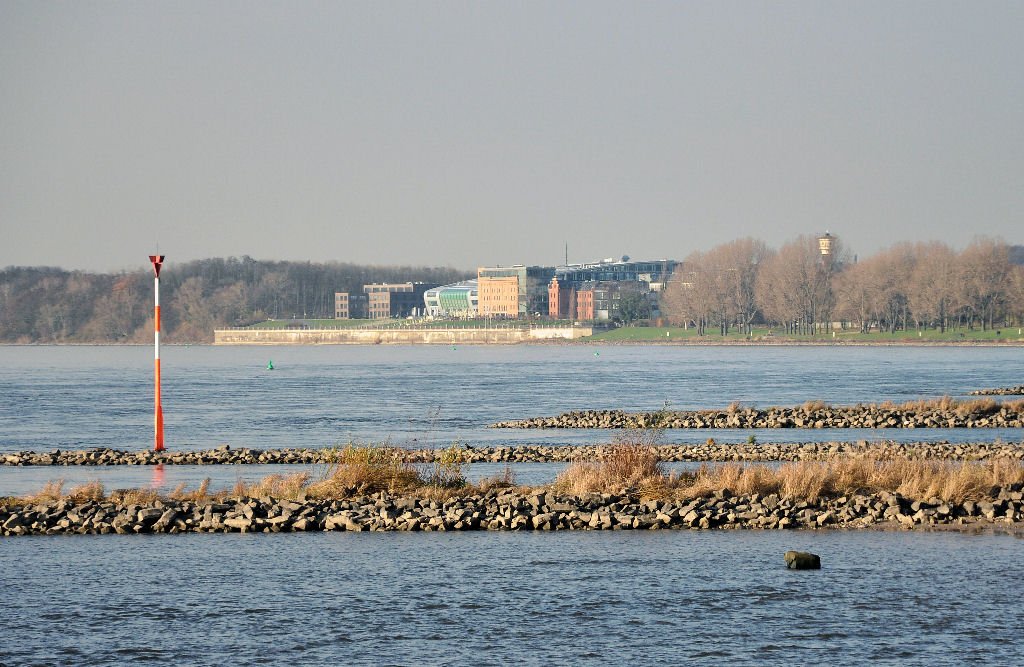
<point x="365" y="469"/>
<point x="620" y="467"/>
<point x="446" y="471"/>
<point x="52" y="491"/>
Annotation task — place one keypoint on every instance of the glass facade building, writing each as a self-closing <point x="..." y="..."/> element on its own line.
<point x="458" y="300"/>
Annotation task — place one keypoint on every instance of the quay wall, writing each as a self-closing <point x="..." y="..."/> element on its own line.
<point x="404" y="336"/>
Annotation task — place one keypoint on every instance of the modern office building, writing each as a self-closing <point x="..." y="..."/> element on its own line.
<point x="654" y="273"/>
<point x="458" y="300"/>
<point x="513" y="291"/>
<point x="386" y="300"/>
<point x="349" y="306"/>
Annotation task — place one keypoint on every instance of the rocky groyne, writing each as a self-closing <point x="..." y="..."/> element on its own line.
<point x="505" y="509"/>
<point x="991" y="416"/>
<point x="1000" y="391"/>
<point x="706" y="451"/>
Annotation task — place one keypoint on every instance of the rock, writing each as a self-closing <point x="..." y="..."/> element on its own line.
<point x="802" y="560"/>
<point x="239" y="523"/>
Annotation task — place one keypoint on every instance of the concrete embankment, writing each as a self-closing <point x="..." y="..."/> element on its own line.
<point x="505" y="509"/>
<point x="708" y="451"/>
<point x="400" y="336"/>
<point x="1006" y="416"/>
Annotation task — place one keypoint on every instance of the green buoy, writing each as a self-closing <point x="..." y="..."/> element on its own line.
<point x="270" y="365"/>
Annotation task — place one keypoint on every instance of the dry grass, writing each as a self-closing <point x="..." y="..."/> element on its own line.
<point x="89" y="491"/>
<point x="356" y="470"/>
<point x="637" y="469"/>
<point x="360" y="470"/>
<point x="446" y="470"/>
<point x="621" y="466"/>
<point x="506" y="479"/>
<point x="135" y="496"/>
<point x="913" y="478"/>
<point x="632" y="467"/>
<point x="52" y="491"/>
<point x="980" y="407"/>
<point x="291" y="487"/>
<point x="200" y="494"/>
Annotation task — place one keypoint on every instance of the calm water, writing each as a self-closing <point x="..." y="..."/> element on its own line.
<point x="467" y="599"/>
<point x="75" y="397"/>
<point x="659" y="598"/>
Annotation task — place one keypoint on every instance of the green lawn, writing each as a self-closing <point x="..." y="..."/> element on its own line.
<point x="669" y="334"/>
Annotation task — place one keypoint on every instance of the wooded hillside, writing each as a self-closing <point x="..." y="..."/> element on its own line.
<point x="51" y="305"/>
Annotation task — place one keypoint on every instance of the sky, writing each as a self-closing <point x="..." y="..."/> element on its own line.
<point x="491" y="133"/>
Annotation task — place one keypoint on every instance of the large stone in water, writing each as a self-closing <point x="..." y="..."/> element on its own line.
<point x="801" y="560"/>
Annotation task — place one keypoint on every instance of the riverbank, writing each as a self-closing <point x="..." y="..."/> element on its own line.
<point x="411" y="335"/>
<point x="710" y="450"/>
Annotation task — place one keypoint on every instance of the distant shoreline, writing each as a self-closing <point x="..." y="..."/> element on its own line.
<point x="577" y="342"/>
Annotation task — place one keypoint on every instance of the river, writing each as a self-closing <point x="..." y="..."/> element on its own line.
<point x="614" y="598"/>
<point x="420" y="396"/>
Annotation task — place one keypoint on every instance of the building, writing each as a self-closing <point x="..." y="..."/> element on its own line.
<point x="458" y="300"/>
<point x="654" y="273"/>
<point x="349" y="306"/>
<point x="584" y="301"/>
<point x="498" y="295"/>
<point x="612" y="300"/>
<point x="513" y="291"/>
<point x="594" y="291"/>
<point x="386" y="300"/>
<point x="561" y="300"/>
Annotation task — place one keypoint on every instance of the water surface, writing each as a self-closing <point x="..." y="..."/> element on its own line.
<point x="77" y="397"/>
<point x="662" y="598"/>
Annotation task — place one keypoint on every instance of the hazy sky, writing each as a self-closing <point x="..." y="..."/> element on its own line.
<point x="493" y="133"/>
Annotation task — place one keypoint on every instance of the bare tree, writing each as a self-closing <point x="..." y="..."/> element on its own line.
<point x="687" y="296"/>
<point x="985" y="269"/>
<point x="931" y="292"/>
<point x="744" y="259"/>
<point x="795" y="285"/>
<point x="1016" y="301"/>
<point x="857" y="295"/>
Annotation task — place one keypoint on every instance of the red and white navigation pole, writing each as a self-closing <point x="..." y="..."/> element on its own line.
<point x="157" y="261"/>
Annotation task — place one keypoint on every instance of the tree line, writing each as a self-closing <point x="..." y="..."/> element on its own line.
<point x="925" y="285"/>
<point x="52" y="305"/>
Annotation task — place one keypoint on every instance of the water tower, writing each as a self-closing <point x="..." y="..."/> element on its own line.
<point x="825" y="245"/>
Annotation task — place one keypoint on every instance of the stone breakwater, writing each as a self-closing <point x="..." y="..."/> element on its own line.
<point x="708" y="451"/>
<point x="779" y="417"/>
<point x="507" y="509"/>
<point x="1000" y="391"/>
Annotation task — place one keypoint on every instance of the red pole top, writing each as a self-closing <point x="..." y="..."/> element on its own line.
<point x="157" y="261"/>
